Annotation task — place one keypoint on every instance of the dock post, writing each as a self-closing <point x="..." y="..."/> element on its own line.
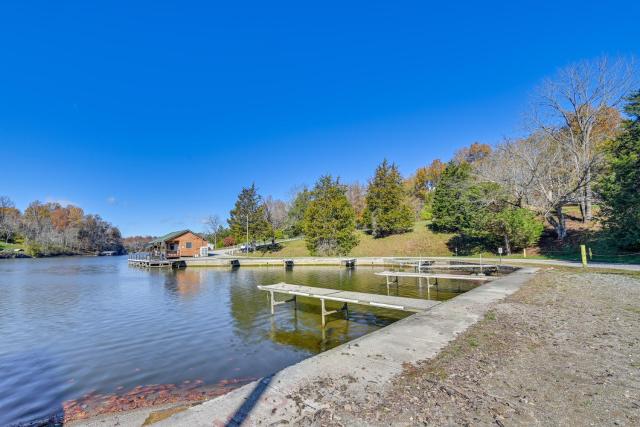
<point x="323" y="311"/>
<point x="272" y="304"/>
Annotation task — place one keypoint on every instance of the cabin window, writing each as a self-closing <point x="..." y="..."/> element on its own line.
<point x="188" y="245"/>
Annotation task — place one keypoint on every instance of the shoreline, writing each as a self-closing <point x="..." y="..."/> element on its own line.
<point x="357" y="367"/>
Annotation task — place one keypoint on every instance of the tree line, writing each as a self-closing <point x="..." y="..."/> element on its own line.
<point x="327" y="214"/>
<point x="581" y="149"/>
<point x="53" y="229"/>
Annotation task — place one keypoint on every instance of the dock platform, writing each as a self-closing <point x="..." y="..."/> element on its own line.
<point x="398" y="274"/>
<point x="146" y="261"/>
<point x="346" y="297"/>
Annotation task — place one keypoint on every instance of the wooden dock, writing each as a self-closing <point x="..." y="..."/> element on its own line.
<point x="394" y="276"/>
<point x="146" y="261"/>
<point x="398" y="274"/>
<point x="346" y="297"/>
<point x="462" y="266"/>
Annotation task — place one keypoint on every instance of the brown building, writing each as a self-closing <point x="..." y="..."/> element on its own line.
<point x="183" y="243"/>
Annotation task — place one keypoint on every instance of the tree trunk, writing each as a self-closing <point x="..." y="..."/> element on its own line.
<point x="588" y="199"/>
<point x="561" y="226"/>
<point x="507" y="245"/>
<point x="559" y="223"/>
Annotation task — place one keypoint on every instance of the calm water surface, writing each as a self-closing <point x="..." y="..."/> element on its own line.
<point x="73" y="326"/>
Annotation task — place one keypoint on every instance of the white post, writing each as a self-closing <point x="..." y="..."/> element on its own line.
<point x="272" y="304"/>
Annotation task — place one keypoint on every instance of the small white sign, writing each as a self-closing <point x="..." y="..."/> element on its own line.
<point x="500" y="251"/>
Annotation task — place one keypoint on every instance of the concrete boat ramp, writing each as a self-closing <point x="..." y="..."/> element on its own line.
<point x="361" y="368"/>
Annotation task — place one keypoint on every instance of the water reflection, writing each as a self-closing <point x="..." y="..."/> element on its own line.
<point x="103" y="329"/>
<point x="184" y="283"/>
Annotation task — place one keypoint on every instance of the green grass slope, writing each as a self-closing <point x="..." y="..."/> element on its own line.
<point x="419" y="242"/>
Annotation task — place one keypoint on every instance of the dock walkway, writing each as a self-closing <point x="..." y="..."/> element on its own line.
<point x="323" y="294"/>
<point x="398" y="274"/>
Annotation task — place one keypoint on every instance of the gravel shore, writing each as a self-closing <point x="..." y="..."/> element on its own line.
<point x="563" y="350"/>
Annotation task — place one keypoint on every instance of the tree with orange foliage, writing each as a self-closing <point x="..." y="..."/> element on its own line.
<point x="473" y="153"/>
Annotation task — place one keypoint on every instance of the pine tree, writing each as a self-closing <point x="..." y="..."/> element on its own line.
<point x="386" y="209"/>
<point x="450" y="205"/>
<point x="295" y="218"/>
<point x="329" y="221"/>
<point x="249" y="204"/>
<point x="619" y="187"/>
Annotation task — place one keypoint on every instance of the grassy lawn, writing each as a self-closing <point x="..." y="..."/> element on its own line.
<point x="9" y="247"/>
<point x="419" y="242"/>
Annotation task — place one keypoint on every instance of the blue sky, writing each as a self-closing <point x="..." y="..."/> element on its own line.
<point x="155" y="114"/>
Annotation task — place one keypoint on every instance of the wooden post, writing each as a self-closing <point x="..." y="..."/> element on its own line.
<point x="583" y="253"/>
<point x="322" y="304"/>
<point x="272" y="304"/>
<point x="590" y="255"/>
<point x="524" y="253"/>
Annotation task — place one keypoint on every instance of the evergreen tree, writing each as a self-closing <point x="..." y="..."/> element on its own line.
<point x="295" y="219"/>
<point x="249" y="204"/>
<point x="386" y="211"/>
<point x="620" y="184"/>
<point x="329" y="221"/>
<point x="452" y="207"/>
<point x="515" y="228"/>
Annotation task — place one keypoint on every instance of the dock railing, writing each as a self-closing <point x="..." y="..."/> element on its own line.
<point x="146" y="256"/>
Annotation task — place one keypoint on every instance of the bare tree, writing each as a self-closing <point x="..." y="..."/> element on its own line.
<point x="212" y="222"/>
<point x="356" y="194"/>
<point x="577" y="109"/>
<point x="8" y="218"/>
<point x="277" y="212"/>
<point x="535" y="174"/>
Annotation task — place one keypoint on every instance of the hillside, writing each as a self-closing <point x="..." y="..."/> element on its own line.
<point x="421" y="241"/>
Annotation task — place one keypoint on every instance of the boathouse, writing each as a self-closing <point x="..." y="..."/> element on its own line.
<point x="183" y="243"/>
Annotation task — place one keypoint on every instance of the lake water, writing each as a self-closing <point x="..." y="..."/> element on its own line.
<point x="102" y="336"/>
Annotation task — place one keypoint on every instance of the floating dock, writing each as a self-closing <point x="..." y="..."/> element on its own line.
<point x="414" y="305"/>
<point x="140" y="260"/>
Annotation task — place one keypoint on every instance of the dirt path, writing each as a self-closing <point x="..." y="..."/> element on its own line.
<point x="564" y="350"/>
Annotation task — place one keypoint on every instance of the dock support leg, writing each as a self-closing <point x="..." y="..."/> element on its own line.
<point x="274" y="302"/>
<point x="325" y="313"/>
<point x="273" y="306"/>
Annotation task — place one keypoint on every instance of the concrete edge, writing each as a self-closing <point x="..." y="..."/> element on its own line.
<point x="224" y="261"/>
<point x="360" y="368"/>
